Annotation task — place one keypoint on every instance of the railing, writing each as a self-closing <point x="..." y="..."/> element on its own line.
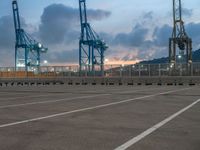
<point x="109" y="71"/>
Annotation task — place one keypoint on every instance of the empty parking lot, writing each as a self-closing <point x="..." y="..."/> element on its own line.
<point x="100" y="118"/>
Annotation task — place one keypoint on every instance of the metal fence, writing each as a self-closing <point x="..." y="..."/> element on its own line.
<point x="109" y="71"/>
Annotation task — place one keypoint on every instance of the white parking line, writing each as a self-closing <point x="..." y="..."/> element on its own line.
<point x="86" y="109"/>
<point x="35" y="96"/>
<point x="9" y="93"/>
<point x="51" y="101"/>
<point x="54" y="101"/>
<point x="143" y="90"/>
<point x="59" y="100"/>
<point x="119" y="91"/>
<point x="154" y="128"/>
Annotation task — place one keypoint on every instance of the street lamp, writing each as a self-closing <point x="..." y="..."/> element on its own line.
<point x="106" y="60"/>
<point x="45" y="62"/>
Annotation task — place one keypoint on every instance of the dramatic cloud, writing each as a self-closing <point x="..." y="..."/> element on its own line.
<point x="187" y="12"/>
<point x="7" y="39"/>
<point x="97" y="14"/>
<point x="148" y="15"/>
<point x="135" y="44"/>
<point x="59" y="26"/>
<point x="147" y="43"/>
<point x="62" y="57"/>
<point x="193" y="30"/>
<point x="161" y="35"/>
<point x="60" y="23"/>
<point x="135" y="38"/>
<point x="7" y="36"/>
<point x="59" y="30"/>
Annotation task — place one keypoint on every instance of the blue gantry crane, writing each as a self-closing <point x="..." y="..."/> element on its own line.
<point x="91" y="47"/>
<point x="27" y="50"/>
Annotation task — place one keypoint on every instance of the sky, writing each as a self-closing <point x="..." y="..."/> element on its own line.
<point x="133" y="30"/>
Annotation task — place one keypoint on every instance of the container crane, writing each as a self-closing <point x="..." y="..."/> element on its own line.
<point x="27" y="50"/>
<point x="179" y="42"/>
<point x="91" y="47"/>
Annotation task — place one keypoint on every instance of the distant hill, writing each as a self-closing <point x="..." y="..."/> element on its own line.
<point x="195" y="57"/>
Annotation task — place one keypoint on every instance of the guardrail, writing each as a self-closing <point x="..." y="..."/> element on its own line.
<point x="138" y="70"/>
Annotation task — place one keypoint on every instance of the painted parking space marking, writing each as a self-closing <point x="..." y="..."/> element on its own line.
<point x="87" y="109"/>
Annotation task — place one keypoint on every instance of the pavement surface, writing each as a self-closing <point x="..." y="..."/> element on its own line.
<point x="100" y="118"/>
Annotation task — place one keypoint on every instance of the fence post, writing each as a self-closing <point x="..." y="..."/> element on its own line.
<point x="63" y="74"/>
<point x="54" y="69"/>
<point x="70" y="71"/>
<point x="159" y="71"/>
<point x="120" y="70"/>
<point x="181" y="69"/>
<point x="130" y="70"/>
<point x="48" y="71"/>
<point x="192" y="67"/>
<point x="111" y="70"/>
<point x="86" y="71"/>
<point x="102" y="71"/>
<point x="149" y="67"/>
<point x="139" y="69"/>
